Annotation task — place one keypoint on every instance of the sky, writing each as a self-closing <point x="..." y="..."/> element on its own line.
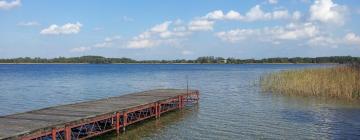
<point x="186" y="29"/>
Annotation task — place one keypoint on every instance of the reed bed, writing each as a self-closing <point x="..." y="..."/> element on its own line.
<point x="341" y="81"/>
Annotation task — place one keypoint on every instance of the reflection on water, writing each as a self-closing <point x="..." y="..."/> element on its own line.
<point x="231" y="105"/>
<point x="155" y="128"/>
<point x="330" y="118"/>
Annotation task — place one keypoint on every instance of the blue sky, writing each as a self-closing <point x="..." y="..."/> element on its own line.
<point x="164" y="29"/>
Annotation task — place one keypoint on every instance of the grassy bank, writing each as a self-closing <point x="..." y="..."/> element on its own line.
<point x="336" y="82"/>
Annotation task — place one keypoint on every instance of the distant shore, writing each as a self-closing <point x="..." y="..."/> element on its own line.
<point x="154" y="63"/>
<point x="199" y="60"/>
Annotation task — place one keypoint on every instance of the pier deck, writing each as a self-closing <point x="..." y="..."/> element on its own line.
<point x="87" y="119"/>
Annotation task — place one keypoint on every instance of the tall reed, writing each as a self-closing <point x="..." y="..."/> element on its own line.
<point x="338" y="82"/>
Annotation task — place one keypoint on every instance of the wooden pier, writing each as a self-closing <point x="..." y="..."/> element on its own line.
<point x="87" y="119"/>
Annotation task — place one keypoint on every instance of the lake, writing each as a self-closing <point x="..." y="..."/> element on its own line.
<point x="231" y="105"/>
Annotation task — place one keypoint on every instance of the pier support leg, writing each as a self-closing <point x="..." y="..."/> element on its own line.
<point x="117" y="122"/>
<point x="156" y="109"/>
<point x="180" y="102"/>
<point x="125" y="120"/>
<point x="53" y="134"/>
<point x="67" y="133"/>
<point x="159" y="110"/>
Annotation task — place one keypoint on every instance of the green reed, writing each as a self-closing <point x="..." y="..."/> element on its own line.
<point x="341" y="81"/>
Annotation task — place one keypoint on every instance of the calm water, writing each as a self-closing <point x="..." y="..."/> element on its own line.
<point x="231" y="105"/>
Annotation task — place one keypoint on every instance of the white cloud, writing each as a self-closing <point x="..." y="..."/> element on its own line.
<point x="301" y="34"/>
<point x="5" y="4"/>
<point x="294" y="31"/>
<point x="216" y="15"/>
<point x="273" y="1"/>
<point x="143" y="43"/>
<point x="236" y="35"/>
<point x="178" y="22"/>
<point x="296" y="15"/>
<point x="219" y="15"/>
<point x="233" y="15"/>
<point x="201" y="25"/>
<point x="281" y="14"/>
<point x="163" y="27"/>
<point x="274" y="34"/>
<point x="160" y="34"/>
<point x="80" y="49"/>
<point x="352" y="39"/>
<point x="324" y="41"/>
<point x="297" y="31"/>
<point x="68" y="28"/>
<point x="327" y="12"/>
<point x="108" y="42"/>
<point x="30" y="23"/>
<point x="256" y="13"/>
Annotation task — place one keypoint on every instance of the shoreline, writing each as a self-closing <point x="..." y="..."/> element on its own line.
<point x="153" y="63"/>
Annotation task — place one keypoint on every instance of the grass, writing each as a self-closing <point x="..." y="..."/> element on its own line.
<point x="341" y="81"/>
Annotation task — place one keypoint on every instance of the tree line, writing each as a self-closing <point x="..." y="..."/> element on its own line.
<point x="199" y="60"/>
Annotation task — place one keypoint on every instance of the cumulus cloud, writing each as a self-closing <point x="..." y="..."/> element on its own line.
<point x="69" y="28"/>
<point x="30" y="23"/>
<point x="237" y="34"/>
<point x="296" y="15"/>
<point x="80" y="49"/>
<point x="352" y="39"/>
<point x="108" y="42"/>
<point x="294" y="31"/>
<point x="307" y="31"/>
<point x="219" y="15"/>
<point x="160" y="34"/>
<point x="349" y="39"/>
<point x="323" y="41"/>
<point x="163" y="27"/>
<point x="275" y="34"/>
<point x="254" y="14"/>
<point x="5" y="4"/>
<point x="327" y="11"/>
<point x="233" y="15"/>
<point x="281" y="14"/>
<point x="216" y="15"/>
<point x="306" y="34"/>
<point x="201" y="25"/>
<point x="143" y="43"/>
